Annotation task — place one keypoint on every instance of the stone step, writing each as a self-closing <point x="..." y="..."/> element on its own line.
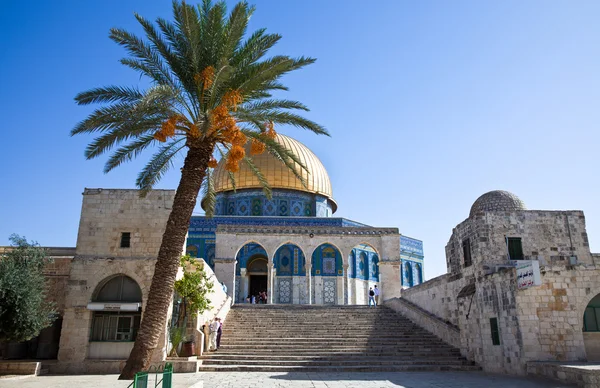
<point x="333" y="356"/>
<point x="357" y="361"/>
<point x="275" y="338"/>
<point x="333" y="341"/>
<point x="339" y="347"/>
<point x="345" y="368"/>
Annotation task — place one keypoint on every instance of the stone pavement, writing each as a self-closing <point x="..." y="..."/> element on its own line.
<point x="299" y="379"/>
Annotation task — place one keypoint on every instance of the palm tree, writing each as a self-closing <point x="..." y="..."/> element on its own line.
<point x="210" y="95"/>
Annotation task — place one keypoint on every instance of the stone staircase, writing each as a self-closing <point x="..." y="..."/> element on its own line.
<point x="276" y="338"/>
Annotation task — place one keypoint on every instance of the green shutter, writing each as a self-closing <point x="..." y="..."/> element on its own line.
<point x="495" y="331"/>
<point x="515" y="248"/>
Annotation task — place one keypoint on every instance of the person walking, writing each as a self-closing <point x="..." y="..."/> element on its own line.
<point x="376" y="291"/>
<point x="213" y="331"/>
<point x="219" y="333"/>
<point x="372" y="297"/>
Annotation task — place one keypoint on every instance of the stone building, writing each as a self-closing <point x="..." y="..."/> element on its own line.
<point x="522" y="287"/>
<point x="289" y="245"/>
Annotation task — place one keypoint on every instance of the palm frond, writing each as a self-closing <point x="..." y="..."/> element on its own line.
<point x="153" y="64"/>
<point x="279" y="117"/>
<point x="236" y="28"/>
<point x="119" y="134"/>
<point x="209" y="198"/>
<point x="128" y="152"/>
<point x="261" y="178"/>
<point x="158" y="165"/>
<point x="108" y="94"/>
<point x="230" y="175"/>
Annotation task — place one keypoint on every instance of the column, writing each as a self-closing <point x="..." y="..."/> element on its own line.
<point x="389" y="273"/>
<point x="271" y="278"/>
<point x="243" y="285"/>
<point x="346" y="283"/>
<point x="308" y="268"/>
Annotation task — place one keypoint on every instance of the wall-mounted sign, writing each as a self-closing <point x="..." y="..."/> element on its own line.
<point x="528" y="274"/>
<point x="100" y="306"/>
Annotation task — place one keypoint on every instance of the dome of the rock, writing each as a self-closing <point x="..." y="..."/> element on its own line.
<point x="278" y="174"/>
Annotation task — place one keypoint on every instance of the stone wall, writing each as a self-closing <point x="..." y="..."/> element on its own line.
<point x="545" y="235"/>
<point x="86" y="277"/>
<point x="57" y="277"/>
<point x="540" y="323"/>
<point x="107" y="213"/>
<point x="439" y="295"/>
<point x="443" y="330"/>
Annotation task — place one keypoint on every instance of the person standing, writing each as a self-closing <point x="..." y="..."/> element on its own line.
<point x="219" y="332"/>
<point x="376" y="291"/>
<point x="214" y="328"/>
<point x="372" y="297"/>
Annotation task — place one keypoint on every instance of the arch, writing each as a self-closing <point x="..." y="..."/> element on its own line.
<point x="374" y="267"/>
<point x="367" y="245"/>
<point x="419" y="271"/>
<point x="117" y="288"/>
<point x="250" y="250"/>
<point x="352" y="264"/>
<point x="289" y="260"/>
<point x="119" y="325"/>
<point x="336" y="246"/>
<point x="590" y="327"/>
<point x="407" y="274"/>
<point x="327" y="260"/>
<point x="257" y="264"/>
<point x="366" y="260"/>
<point x="237" y="251"/>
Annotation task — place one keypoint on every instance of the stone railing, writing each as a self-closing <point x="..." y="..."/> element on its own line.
<point x="445" y="331"/>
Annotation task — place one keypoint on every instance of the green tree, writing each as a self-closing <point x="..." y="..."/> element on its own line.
<point x="192" y="288"/>
<point x="210" y="95"/>
<point x="24" y="310"/>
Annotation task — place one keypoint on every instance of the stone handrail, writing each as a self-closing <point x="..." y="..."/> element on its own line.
<point x="442" y="329"/>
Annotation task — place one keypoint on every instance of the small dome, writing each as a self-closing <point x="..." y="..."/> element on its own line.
<point x="497" y="200"/>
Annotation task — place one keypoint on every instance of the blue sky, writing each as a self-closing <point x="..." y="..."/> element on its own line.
<point x="429" y="103"/>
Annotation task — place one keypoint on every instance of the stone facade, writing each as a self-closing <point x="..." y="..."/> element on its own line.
<point x="106" y="214"/>
<point x="320" y="289"/>
<point x="502" y="326"/>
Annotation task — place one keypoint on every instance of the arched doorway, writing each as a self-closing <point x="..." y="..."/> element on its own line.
<point x="591" y="329"/>
<point x="117" y="313"/>
<point x="364" y="261"/>
<point x="290" y="284"/>
<point x="251" y="271"/>
<point x="257" y="271"/>
<point x="327" y="269"/>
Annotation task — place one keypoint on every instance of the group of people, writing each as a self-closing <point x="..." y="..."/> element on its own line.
<point x="261" y="298"/>
<point x="215" y="330"/>
<point x="373" y="296"/>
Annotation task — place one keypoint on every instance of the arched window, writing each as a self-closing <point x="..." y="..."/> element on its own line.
<point x="117" y="312"/>
<point x="408" y="275"/>
<point x="591" y="317"/>
<point x="364" y="266"/>
<point x="419" y="270"/>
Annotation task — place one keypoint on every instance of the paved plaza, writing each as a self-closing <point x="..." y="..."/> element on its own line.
<point x="299" y="379"/>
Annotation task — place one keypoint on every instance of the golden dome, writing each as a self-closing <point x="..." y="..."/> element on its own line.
<point x="277" y="174"/>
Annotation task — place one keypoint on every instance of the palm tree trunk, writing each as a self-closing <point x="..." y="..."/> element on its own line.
<point x="167" y="264"/>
